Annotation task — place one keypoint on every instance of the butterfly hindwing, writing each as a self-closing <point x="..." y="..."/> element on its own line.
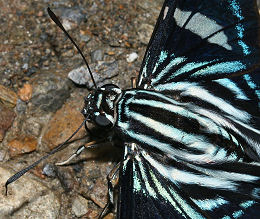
<point x="152" y="187"/>
<point x="144" y="193"/>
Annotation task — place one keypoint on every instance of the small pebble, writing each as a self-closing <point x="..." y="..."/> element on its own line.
<point x="97" y="55"/>
<point x="49" y="170"/>
<point x="131" y="57"/>
<point x="25" y="93"/>
<point x="80" y="206"/>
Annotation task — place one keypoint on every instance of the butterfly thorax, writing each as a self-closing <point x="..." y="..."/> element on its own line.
<point x="100" y="106"/>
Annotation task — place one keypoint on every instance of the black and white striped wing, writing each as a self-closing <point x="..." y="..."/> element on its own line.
<point x="155" y="187"/>
<point x="207" y="53"/>
<point x="195" y="116"/>
<point x="198" y="40"/>
<point x="185" y="160"/>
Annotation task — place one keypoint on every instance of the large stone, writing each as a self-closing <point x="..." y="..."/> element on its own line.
<point x="21" y="145"/>
<point x="26" y="198"/>
<point x="80" y="206"/>
<point x="65" y="121"/>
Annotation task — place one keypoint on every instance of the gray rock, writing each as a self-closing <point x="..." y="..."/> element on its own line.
<point x="145" y="32"/>
<point x="107" y="70"/>
<point x="97" y="55"/>
<point x="49" y="93"/>
<point x="20" y="106"/>
<point x="79" y="75"/>
<point x="79" y="206"/>
<point x="27" y="198"/>
<point x="85" y="38"/>
<point x="31" y="71"/>
<point x="32" y="126"/>
<point x="49" y="170"/>
<point x="49" y="102"/>
<point x="2" y="155"/>
<point x="74" y="14"/>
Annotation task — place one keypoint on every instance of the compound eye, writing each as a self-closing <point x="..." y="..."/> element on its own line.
<point x="84" y="111"/>
<point x="102" y="120"/>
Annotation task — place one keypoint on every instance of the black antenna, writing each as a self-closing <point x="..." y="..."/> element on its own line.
<point x="56" y="20"/>
<point x="23" y="171"/>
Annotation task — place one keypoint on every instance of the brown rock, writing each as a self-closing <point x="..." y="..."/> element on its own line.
<point x="22" y="144"/>
<point x="25" y="93"/>
<point x="92" y="214"/>
<point x="6" y="120"/>
<point x="65" y="121"/>
<point x="7" y="96"/>
<point x="99" y="193"/>
<point x="109" y="216"/>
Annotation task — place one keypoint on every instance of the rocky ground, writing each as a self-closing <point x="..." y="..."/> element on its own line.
<point x="40" y="106"/>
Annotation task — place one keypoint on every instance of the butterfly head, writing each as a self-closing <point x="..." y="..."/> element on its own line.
<point x="100" y="106"/>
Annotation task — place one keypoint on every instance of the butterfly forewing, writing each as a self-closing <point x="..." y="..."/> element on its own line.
<point x="202" y="40"/>
<point x="194" y="119"/>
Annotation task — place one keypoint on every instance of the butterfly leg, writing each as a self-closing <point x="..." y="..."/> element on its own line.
<point x="111" y="185"/>
<point x="75" y="154"/>
<point x="78" y="152"/>
<point x="133" y="82"/>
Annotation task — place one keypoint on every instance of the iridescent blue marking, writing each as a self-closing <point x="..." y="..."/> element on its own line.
<point x="252" y="85"/>
<point x="96" y="113"/>
<point x="166" y="70"/>
<point x="237" y="214"/>
<point x="166" y="130"/>
<point x="226" y="217"/>
<point x="223" y="67"/>
<point x="256" y="192"/>
<point x="247" y="204"/>
<point x="249" y="81"/>
<point x="233" y="87"/>
<point x="210" y="204"/>
<point x="191" y="89"/>
<point x="185" y="206"/>
<point x="240" y="30"/>
<point x="235" y="7"/>
<point x="189" y="67"/>
<point x="244" y="47"/>
<point x="149" y="188"/>
<point x="162" y="191"/>
<point x="258" y="94"/>
<point x="163" y="56"/>
<point x="144" y="71"/>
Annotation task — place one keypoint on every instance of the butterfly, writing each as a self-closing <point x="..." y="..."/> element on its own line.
<point x="191" y="127"/>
